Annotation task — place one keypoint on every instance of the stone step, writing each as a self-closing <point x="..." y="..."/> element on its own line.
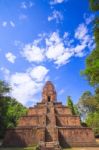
<point x="49" y="144"/>
<point x="48" y="137"/>
<point x="54" y="145"/>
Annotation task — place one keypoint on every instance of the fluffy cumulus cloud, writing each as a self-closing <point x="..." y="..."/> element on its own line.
<point x="56" y="49"/>
<point x="26" y="85"/>
<point x="39" y="73"/>
<point x="33" y="53"/>
<point x="56" y="15"/>
<point x="59" y="49"/>
<point x="10" y="57"/>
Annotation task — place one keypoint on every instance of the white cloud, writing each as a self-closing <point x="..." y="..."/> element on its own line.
<point x="88" y="18"/>
<point x="26" y="5"/>
<point x="56" y="49"/>
<point x="64" y="58"/>
<point x="59" y="49"/>
<point x="23" y="87"/>
<point x="26" y="85"/>
<point x="12" y="24"/>
<point x="33" y="53"/>
<point x="79" y="50"/>
<point x="39" y="73"/>
<point x="81" y="31"/>
<point x="4" y="23"/>
<point x="85" y="39"/>
<point x="10" y="57"/>
<point x="56" y="15"/>
<point x="53" y="2"/>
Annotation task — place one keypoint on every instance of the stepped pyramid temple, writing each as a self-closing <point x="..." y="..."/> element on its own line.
<point x="50" y="125"/>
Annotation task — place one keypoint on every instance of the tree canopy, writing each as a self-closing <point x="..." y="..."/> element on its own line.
<point x="94" y="5"/>
<point x="10" y="109"/>
<point x="91" y="71"/>
<point x="88" y="107"/>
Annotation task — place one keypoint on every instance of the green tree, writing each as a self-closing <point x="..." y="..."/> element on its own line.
<point x="87" y="104"/>
<point x="10" y="109"/>
<point x="92" y="121"/>
<point x="71" y="105"/>
<point x="4" y="88"/>
<point x="94" y="5"/>
<point x="88" y="107"/>
<point x="91" y="71"/>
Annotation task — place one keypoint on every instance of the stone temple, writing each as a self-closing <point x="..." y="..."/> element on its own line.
<point x="50" y="125"/>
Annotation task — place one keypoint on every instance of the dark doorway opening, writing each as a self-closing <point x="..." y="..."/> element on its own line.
<point x="49" y="98"/>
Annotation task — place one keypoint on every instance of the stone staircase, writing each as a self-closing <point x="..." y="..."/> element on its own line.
<point x="50" y="146"/>
<point x="50" y="143"/>
<point x="48" y="137"/>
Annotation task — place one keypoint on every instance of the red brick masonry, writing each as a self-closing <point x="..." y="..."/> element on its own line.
<point x="49" y="121"/>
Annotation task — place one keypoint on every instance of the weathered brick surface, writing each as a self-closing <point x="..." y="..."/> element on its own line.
<point x="76" y="137"/>
<point x="49" y="93"/>
<point x="21" y="137"/>
<point x="63" y="110"/>
<point x="66" y="120"/>
<point x="36" y="111"/>
<point x="49" y="121"/>
<point x="32" y="121"/>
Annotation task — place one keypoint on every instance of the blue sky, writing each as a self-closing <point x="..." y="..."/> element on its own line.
<point x="44" y="40"/>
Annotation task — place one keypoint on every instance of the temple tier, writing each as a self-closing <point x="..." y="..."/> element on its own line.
<point x="49" y="124"/>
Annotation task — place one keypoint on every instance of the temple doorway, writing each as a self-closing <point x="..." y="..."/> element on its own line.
<point x="49" y="98"/>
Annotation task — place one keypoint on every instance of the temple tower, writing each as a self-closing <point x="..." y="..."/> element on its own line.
<point x="50" y="125"/>
<point x="49" y="93"/>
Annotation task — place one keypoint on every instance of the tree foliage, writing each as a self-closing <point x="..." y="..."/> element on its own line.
<point x="94" y="5"/>
<point x="10" y="109"/>
<point x="71" y="105"/>
<point x="92" y="121"/>
<point x="91" y="71"/>
<point x="4" y="88"/>
<point x="88" y="107"/>
<point x="88" y="103"/>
